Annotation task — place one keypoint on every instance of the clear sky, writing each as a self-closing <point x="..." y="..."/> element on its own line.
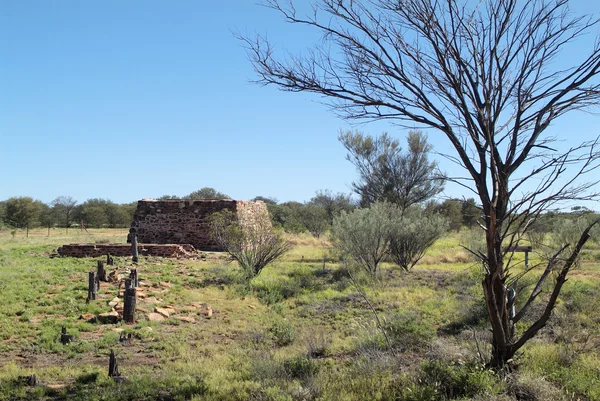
<point x="133" y="99"/>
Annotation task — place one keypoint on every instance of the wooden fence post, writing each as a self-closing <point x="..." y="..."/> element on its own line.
<point x="64" y="337"/>
<point x="102" y="272"/>
<point x="134" y="249"/>
<point x="110" y="261"/>
<point x="92" y="286"/>
<point x="133" y="276"/>
<point x="130" y="301"/>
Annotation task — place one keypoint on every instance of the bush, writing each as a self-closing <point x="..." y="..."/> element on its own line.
<point x="369" y="236"/>
<point x="283" y="333"/>
<point x="364" y="234"/>
<point x="457" y="381"/>
<point x="300" y="367"/>
<point x="412" y="234"/>
<point x="253" y="244"/>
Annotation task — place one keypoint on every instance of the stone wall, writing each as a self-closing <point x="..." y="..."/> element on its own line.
<point x="178" y="221"/>
<point x="98" y="250"/>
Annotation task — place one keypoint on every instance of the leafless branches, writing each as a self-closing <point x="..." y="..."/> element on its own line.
<point x="486" y="74"/>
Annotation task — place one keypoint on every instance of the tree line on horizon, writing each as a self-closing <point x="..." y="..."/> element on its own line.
<point x="315" y="216"/>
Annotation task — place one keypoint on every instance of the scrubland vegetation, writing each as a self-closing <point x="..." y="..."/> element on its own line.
<point x="302" y="329"/>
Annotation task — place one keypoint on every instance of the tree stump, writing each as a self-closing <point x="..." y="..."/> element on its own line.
<point x="64" y="337"/>
<point x="130" y="301"/>
<point x="110" y="261"/>
<point x="92" y="286"/>
<point x="30" y="380"/>
<point x="134" y="249"/>
<point x="113" y="369"/>
<point x="102" y="274"/>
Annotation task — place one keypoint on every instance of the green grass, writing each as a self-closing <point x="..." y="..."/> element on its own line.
<point x="301" y="330"/>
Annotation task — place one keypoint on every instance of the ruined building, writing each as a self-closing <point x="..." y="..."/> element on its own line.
<point x="181" y="221"/>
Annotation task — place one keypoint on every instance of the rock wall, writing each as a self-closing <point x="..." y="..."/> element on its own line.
<point x="179" y="221"/>
<point x="98" y="250"/>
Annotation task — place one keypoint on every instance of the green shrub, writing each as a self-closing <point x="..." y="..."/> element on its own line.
<point x="412" y="234"/>
<point x="369" y="236"/>
<point x="364" y="234"/>
<point x="456" y="381"/>
<point x="300" y="367"/>
<point x="253" y="245"/>
<point x="283" y="333"/>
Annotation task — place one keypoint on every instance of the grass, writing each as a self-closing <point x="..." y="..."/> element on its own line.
<point x="300" y="331"/>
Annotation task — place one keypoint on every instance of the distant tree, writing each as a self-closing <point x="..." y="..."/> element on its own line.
<point x="333" y="204"/>
<point x="314" y="218"/>
<point x="117" y="215"/>
<point x="267" y="200"/>
<point x="254" y="245"/>
<point x="129" y="208"/>
<point x="388" y="174"/>
<point x="93" y="212"/>
<point x="22" y="212"/>
<point x="47" y="217"/>
<point x="64" y="208"/>
<point x="451" y="209"/>
<point x="168" y="197"/>
<point x="207" y="193"/>
<point x="471" y="213"/>
<point x="2" y="211"/>
<point x="287" y="216"/>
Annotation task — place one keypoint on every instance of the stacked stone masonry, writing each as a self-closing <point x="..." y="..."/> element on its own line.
<point x="98" y="250"/>
<point x="186" y="221"/>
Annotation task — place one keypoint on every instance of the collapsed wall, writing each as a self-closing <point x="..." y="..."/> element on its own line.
<point x="182" y="221"/>
<point x="98" y="250"/>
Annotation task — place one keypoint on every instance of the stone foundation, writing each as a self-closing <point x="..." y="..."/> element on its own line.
<point x="98" y="250"/>
<point x="179" y="221"/>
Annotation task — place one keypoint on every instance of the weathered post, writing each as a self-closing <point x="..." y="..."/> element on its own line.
<point x="110" y="261"/>
<point x="102" y="276"/>
<point x="92" y="286"/>
<point x="113" y="369"/>
<point x="133" y="276"/>
<point x="64" y="337"/>
<point x="134" y="249"/>
<point x="130" y="301"/>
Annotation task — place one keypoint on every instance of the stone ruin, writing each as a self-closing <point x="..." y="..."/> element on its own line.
<point x="170" y="228"/>
<point x="181" y="221"/>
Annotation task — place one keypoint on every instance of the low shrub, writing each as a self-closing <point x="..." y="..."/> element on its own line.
<point x="283" y="332"/>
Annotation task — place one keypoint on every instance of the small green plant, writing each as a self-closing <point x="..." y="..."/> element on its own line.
<point x="300" y="367"/>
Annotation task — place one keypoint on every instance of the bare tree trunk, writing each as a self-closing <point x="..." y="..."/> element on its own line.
<point x="113" y="369"/>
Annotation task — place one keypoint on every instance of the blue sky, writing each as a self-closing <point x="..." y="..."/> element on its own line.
<point x="132" y="99"/>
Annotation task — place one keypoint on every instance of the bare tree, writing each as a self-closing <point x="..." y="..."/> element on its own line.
<point x="64" y="207"/>
<point x="487" y="75"/>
